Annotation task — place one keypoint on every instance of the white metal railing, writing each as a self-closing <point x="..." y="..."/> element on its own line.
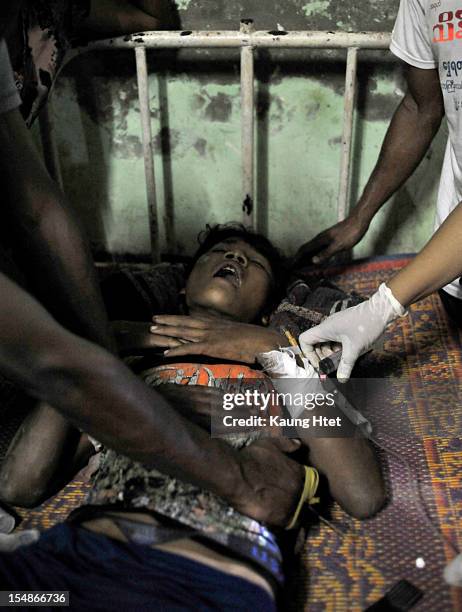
<point x="247" y="40"/>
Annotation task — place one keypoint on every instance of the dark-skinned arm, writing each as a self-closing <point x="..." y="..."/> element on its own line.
<point x="411" y="131"/>
<point x="352" y="471"/>
<point x="99" y="395"/>
<point x="56" y="261"/>
<point x="349" y="464"/>
<point x="46" y="452"/>
<point x="51" y="246"/>
<point x="214" y="337"/>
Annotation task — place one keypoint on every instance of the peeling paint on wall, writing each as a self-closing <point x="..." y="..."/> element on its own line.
<point x="316" y="7"/>
<point x="183" y="5"/>
<point x="195" y="114"/>
<point x="166" y="141"/>
<point x="219" y="108"/>
<point x="201" y="146"/>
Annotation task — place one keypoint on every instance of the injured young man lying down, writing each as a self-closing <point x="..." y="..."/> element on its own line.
<point x="145" y="540"/>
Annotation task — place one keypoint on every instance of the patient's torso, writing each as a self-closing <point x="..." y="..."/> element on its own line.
<point x="128" y="485"/>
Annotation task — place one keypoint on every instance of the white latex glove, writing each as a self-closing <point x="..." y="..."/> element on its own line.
<point x="453" y="572"/>
<point x="356" y="328"/>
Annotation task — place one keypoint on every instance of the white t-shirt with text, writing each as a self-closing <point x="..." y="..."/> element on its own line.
<point x="428" y="35"/>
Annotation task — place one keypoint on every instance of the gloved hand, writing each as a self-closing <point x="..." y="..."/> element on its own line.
<point x="356" y="328"/>
<point x="453" y="572"/>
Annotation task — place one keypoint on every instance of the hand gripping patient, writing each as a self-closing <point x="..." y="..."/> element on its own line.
<point x="147" y="539"/>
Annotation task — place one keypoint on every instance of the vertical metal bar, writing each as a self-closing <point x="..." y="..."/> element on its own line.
<point x="50" y="150"/>
<point x="348" y="117"/>
<point x="143" y="95"/>
<point x="168" y="192"/>
<point x="247" y="120"/>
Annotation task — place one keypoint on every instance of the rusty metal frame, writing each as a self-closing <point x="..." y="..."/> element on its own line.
<point x="247" y="40"/>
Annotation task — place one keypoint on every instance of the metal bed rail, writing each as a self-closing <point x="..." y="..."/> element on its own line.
<point x="247" y="40"/>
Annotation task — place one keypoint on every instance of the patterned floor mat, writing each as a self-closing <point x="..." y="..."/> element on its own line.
<point x="421" y="356"/>
<point x="350" y="570"/>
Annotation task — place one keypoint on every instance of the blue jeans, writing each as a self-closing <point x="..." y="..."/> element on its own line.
<point x="104" y="574"/>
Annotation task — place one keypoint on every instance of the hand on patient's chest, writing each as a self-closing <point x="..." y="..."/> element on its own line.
<point x="221" y="338"/>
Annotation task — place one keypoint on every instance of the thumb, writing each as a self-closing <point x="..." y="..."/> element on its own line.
<point x="347" y="362"/>
<point x="309" y="338"/>
<point x="305" y="253"/>
<point x="325" y="254"/>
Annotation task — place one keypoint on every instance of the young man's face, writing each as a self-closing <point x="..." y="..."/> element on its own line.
<point x="232" y="279"/>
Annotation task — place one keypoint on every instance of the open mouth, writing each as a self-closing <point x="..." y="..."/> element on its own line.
<point x="230" y="272"/>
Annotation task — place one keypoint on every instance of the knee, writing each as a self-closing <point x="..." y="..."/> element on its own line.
<point x="14" y="494"/>
<point x="364" y="502"/>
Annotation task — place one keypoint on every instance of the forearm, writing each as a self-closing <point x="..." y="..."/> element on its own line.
<point x="53" y="251"/>
<point x="439" y="263"/>
<point x="409" y="135"/>
<point x="135" y="420"/>
<point x="60" y="269"/>
<point x="99" y="395"/>
<point x="412" y="128"/>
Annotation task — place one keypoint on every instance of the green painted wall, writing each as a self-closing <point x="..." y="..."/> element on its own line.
<point x="196" y="125"/>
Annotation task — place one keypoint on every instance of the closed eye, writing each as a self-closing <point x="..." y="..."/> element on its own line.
<point x="259" y="264"/>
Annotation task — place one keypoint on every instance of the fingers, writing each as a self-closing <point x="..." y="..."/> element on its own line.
<point x="179" y="321"/>
<point x="347" y="362"/>
<point x="316" y="335"/>
<point x="344" y="370"/>
<point x="317" y="345"/>
<point x="164" y="341"/>
<point x="312" y="357"/>
<point x="191" y="334"/>
<point x="196" y="348"/>
<point x="308" y="341"/>
<point x="326" y="254"/>
<point x="320" y="352"/>
<point x="324" y="350"/>
<point x="307" y="250"/>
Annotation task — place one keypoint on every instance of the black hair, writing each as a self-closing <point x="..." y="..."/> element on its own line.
<point x="9" y="13"/>
<point x="215" y="234"/>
